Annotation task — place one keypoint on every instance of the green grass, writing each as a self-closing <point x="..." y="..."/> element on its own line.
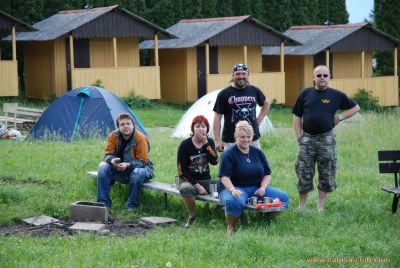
<point x="45" y="177"/>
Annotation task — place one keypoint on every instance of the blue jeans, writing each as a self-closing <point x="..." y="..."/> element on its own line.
<point x="134" y="178"/>
<point x="234" y="207"/>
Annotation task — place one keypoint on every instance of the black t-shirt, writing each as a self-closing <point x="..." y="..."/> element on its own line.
<point x="318" y="108"/>
<point x="237" y="105"/>
<point x="242" y="173"/>
<point x="124" y="143"/>
<point x="193" y="162"/>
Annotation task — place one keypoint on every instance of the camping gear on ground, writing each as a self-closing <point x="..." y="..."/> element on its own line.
<point x="82" y="113"/>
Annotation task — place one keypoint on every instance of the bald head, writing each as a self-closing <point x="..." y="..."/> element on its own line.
<point x="322" y="76"/>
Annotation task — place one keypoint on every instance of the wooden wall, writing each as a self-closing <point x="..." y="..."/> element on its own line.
<point x="173" y="75"/>
<point x="383" y="87"/>
<point x="60" y="68"/>
<point x="102" y="53"/>
<point x="128" y="52"/>
<point x="228" y="56"/>
<point x="8" y="78"/>
<point x="294" y="78"/>
<point x="348" y="65"/>
<point x="123" y="81"/>
<point x="38" y="69"/>
<point x="191" y="75"/>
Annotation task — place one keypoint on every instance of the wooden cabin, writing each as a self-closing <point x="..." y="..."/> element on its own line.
<point x="201" y="58"/>
<point x="9" y="68"/>
<point x="75" y="48"/>
<point x="347" y="50"/>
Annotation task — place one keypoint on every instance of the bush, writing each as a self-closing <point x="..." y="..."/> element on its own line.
<point x="138" y="102"/>
<point x="366" y="100"/>
<point x="98" y="83"/>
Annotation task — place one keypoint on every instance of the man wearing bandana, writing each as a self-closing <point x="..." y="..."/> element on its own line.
<point x="236" y="103"/>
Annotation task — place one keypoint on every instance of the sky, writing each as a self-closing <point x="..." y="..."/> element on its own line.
<point x="359" y="10"/>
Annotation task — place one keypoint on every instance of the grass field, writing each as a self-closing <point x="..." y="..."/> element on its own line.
<point x="46" y="177"/>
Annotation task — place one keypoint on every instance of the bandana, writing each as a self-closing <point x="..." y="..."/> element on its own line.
<point x="240" y="67"/>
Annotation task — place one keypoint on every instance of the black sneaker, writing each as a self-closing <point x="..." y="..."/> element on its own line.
<point x="190" y="221"/>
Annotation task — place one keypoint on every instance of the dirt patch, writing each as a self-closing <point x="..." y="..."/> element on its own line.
<point x="61" y="228"/>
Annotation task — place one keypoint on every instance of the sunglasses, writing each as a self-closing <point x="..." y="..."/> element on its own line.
<point x="322" y="75"/>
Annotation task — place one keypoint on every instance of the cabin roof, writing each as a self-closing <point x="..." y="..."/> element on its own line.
<point x="7" y="21"/>
<point x="336" y="38"/>
<point x="101" y="22"/>
<point x="241" y="30"/>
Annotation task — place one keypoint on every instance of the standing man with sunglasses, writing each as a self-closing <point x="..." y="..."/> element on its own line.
<point x="237" y="103"/>
<point x="313" y="122"/>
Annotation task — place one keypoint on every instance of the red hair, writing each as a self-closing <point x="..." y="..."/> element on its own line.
<point x="200" y="119"/>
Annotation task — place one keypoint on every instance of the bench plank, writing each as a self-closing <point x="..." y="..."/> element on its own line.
<point x="170" y="189"/>
<point x="392" y="165"/>
<point x="16" y="114"/>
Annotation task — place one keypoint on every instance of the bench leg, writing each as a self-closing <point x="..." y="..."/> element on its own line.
<point x="395" y="203"/>
<point x="165" y="200"/>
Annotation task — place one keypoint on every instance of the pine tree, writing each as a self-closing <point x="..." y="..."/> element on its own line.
<point x="332" y="12"/>
<point x="277" y="14"/>
<point x="225" y="8"/>
<point x="304" y="12"/>
<point x="385" y="17"/>
<point x="209" y="8"/>
<point x="241" y="7"/>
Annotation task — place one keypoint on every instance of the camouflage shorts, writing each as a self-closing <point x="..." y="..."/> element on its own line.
<point x="320" y="149"/>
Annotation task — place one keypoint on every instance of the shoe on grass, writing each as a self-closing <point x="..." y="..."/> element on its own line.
<point x="190" y="221"/>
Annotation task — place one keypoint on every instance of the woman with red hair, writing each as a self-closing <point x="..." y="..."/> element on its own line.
<point x="194" y="156"/>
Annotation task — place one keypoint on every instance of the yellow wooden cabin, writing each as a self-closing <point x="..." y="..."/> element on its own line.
<point x="347" y="50"/>
<point x="75" y="48"/>
<point x="9" y="68"/>
<point x="201" y="58"/>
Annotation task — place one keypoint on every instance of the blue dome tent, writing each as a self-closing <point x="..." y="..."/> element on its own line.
<point x="81" y="113"/>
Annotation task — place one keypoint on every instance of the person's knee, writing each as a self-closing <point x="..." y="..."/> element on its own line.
<point x="103" y="169"/>
<point x="234" y="206"/>
<point x="137" y="175"/>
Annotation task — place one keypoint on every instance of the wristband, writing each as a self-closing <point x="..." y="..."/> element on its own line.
<point x="340" y="117"/>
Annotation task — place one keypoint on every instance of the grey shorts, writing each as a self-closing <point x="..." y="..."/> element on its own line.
<point x="317" y="149"/>
<point x="187" y="189"/>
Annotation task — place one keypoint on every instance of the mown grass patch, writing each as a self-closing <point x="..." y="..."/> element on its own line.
<point x="44" y="177"/>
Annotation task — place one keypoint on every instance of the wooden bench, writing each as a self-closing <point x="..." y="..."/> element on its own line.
<point x="16" y="114"/>
<point x="169" y="189"/>
<point x="390" y="164"/>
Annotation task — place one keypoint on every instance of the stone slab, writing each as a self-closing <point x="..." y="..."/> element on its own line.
<point x="157" y="220"/>
<point x="85" y="211"/>
<point x="40" y="220"/>
<point x="87" y="226"/>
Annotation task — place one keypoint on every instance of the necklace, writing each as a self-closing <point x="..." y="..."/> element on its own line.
<point x="246" y="157"/>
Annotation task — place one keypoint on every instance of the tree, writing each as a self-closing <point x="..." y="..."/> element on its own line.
<point x="225" y="8"/>
<point x="332" y="11"/>
<point x="209" y="8"/>
<point x="241" y="7"/>
<point x="385" y="17"/>
<point x="304" y="12"/>
<point x="277" y="14"/>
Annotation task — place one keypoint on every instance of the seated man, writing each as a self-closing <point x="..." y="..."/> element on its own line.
<point x="126" y="160"/>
